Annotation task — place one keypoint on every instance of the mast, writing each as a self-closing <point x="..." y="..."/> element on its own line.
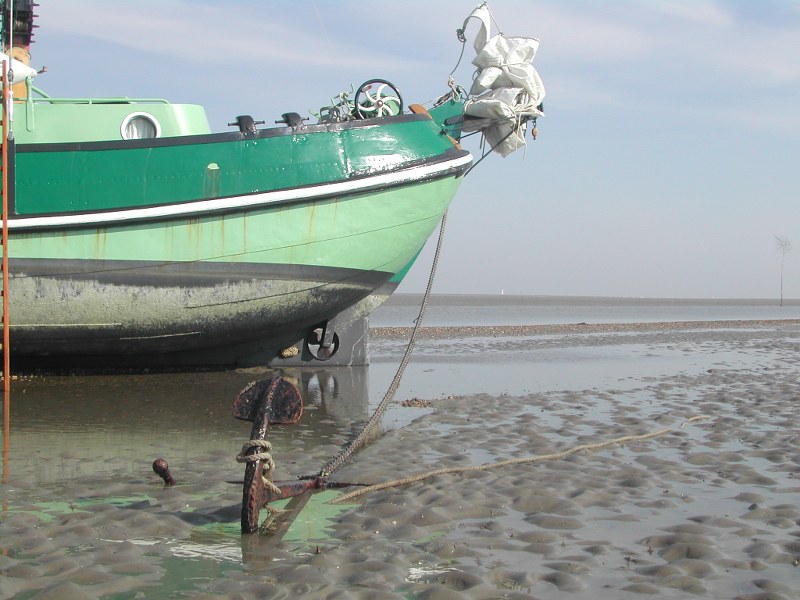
<point x="16" y="32"/>
<point x="4" y="190"/>
<point x="7" y="38"/>
<point x="18" y="25"/>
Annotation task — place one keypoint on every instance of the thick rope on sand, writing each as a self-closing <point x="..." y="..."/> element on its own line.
<point x="513" y="461"/>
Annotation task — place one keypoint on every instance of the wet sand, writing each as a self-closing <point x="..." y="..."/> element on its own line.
<point x="709" y="509"/>
<point x="460" y="331"/>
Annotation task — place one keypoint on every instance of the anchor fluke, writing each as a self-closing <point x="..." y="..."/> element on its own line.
<point x="278" y="399"/>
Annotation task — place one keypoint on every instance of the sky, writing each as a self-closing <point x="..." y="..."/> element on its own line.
<point x="666" y="164"/>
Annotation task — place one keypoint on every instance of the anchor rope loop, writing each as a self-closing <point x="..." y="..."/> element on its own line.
<point x="243" y="457"/>
<point x="268" y="463"/>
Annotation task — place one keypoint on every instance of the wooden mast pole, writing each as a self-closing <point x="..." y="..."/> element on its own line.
<point x="8" y="19"/>
<point x="4" y="267"/>
<point x="7" y="128"/>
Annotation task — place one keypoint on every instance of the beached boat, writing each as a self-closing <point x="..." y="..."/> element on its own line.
<point x="139" y="237"/>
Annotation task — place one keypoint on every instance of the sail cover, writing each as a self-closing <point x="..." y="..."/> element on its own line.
<point x="507" y="91"/>
<point x="18" y="71"/>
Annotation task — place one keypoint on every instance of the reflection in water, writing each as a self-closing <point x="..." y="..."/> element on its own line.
<point x="6" y="430"/>
<point x="79" y="479"/>
<point x="68" y="429"/>
<point x="77" y="468"/>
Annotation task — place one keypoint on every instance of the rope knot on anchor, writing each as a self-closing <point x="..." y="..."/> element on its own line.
<point x="264" y="456"/>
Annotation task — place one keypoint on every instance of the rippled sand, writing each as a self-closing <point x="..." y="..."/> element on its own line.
<point x="709" y="509"/>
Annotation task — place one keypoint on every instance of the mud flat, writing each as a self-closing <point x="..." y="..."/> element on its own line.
<point x="462" y="331"/>
<point x="708" y="508"/>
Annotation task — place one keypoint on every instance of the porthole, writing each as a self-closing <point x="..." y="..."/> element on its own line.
<point x="140" y="126"/>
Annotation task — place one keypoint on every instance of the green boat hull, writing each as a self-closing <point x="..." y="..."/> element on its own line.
<point x="221" y="250"/>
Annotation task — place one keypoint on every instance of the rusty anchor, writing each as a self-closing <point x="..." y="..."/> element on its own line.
<point x="273" y="401"/>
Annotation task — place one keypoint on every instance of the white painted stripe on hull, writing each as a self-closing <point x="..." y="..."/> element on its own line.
<point x="251" y="200"/>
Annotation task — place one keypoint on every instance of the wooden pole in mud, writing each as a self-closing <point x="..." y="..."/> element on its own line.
<point x="6" y="434"/>
<point x="4" y="266"/>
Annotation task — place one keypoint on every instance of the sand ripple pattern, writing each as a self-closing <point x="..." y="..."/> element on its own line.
<point x="711" y="510"/>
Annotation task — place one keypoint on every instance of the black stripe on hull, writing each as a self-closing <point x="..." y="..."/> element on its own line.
<point x="131" y="313"/>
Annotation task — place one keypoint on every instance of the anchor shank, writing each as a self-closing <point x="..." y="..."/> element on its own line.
<point x="266" y="402"/>
<point x="254" y="492"/>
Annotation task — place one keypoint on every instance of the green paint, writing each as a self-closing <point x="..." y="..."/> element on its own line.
<point x="57" y="120"/>
<point x="96" y="177"/>
<point x="48" y="512"/>
<point x="316" y="519"/>
<point x="100" y="288"/>
<point x="400" y="275"/>
<point x="380" y="231"/>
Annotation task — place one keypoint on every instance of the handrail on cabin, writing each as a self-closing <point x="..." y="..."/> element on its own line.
<point x="47" y="99"/>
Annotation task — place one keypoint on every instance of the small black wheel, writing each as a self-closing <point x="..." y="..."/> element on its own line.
<point x="315" y="347"/>
<point x="378" y="98"/>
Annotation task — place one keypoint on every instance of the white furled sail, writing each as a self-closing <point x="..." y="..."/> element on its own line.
<point x="19" y="70"/>
<point x="507" y="91"/>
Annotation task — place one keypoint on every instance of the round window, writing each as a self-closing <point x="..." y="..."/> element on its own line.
<point x="140" y="126"/>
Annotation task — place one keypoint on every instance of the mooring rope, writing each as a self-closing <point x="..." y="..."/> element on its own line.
<point x="512" y="461"/>
<point x="374" y="420"/>
<point x="268" y="462"/>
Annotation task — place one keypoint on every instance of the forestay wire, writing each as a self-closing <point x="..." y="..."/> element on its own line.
<point x="462" y="37"/>
<point x="328" y="40"/>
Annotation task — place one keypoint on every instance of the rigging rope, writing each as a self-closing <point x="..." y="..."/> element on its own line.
<point x="461" y="32"/>
<point x="488" y="152"/>
<point x="265" y="457"/>
<point x="374" y="420"/>
<point x="330" y="44"/>
<point x="504" y="463"/>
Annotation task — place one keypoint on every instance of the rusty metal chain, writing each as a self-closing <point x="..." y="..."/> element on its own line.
<point x="360" y="440"/>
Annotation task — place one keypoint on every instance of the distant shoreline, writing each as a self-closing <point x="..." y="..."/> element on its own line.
<point x="453" y="331"/>
<point x="414" y="299"/>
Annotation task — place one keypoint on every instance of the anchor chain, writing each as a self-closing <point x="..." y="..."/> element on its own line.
<point x="360" y="440"/>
